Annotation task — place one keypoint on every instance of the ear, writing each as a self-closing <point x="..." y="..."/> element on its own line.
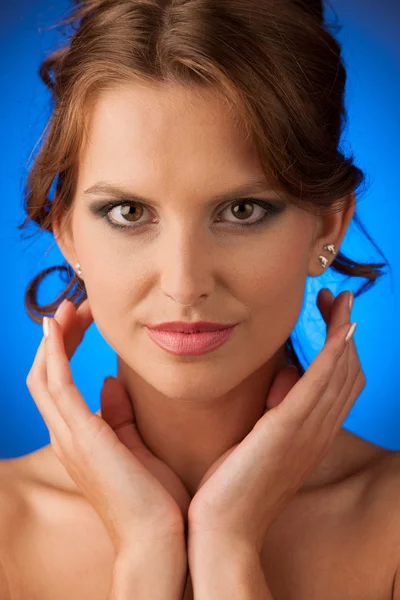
<point x="62" y="231"/>
<point x="330" y="229"/>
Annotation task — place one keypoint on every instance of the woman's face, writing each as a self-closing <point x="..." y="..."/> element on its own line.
<point x="182" y="256"/>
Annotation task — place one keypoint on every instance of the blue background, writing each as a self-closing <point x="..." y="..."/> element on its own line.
<point x="371" y="48"/>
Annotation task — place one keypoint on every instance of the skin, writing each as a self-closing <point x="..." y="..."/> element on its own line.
<point x="189" y="411"/>
<point x="184" y="265"/>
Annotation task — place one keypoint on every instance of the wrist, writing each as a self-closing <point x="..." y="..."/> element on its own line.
<point x="223" y="569"/>
<point x="215" y="548"/>
<point x="154" y="569"/>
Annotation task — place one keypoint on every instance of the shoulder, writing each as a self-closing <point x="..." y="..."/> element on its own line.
<point x="13" y="505"/>
<point x="389" y="499"/>
<point x="53" y="544"/>
<point x="381" y="498"/>
<point x="383" y="484"/>
<point x="33" y="494"/>
<point x="13" y="512"/>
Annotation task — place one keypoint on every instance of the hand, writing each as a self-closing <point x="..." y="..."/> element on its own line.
<point x="243" y="493"/>
<point x="135" y="493"/>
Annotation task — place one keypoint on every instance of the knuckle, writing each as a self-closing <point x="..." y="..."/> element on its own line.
<point x="30" y="379"/>
<point x="32" y="382"/>
<point x="84" y="437"/>
<point x="361" y="379"/>
<point x="59" y="389"/>
<point x="28" y="382"/>
<point x="320" y="383"/>
<point x="56" y="390"/>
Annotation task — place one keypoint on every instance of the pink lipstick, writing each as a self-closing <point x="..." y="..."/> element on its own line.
<point x="190" y="344"/>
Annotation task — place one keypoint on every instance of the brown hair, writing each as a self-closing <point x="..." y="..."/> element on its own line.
<point x="276" y="62"/>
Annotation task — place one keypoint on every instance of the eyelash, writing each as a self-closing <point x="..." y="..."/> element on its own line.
<point x="271" y="210"/>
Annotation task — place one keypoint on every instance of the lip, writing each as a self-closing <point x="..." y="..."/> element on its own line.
<point x="190" y="344"/>
<point x="187" y="327"/>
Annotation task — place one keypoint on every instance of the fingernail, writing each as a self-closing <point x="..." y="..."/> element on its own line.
<point x="46" y="327"/>
<point x="107" y="379"/>
<point x="351" y="331"/>
<point x="351" y="301"/>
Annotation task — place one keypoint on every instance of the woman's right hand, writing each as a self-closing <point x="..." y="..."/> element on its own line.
<point x="137" y="496"/>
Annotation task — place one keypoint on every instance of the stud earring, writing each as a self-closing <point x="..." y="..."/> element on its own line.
<point x="324" y="261"/>
<point x="330" y="248"/>
<point x="78" y="269"/>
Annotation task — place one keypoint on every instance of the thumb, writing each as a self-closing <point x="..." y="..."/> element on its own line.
<point x="117" y="411"/>
<point x="281" y="386"/>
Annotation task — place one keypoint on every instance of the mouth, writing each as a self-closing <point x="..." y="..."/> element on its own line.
<point x="190" y="344"/>
<point x="190" y="328"/>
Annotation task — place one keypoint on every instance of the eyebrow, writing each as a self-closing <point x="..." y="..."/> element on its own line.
<point x="120" y="193"/>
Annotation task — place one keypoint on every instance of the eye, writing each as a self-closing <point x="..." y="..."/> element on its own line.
<point x="241" y="210"/>
<point x="131" y="213"/>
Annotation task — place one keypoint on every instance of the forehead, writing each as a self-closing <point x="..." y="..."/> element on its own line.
<point x="166" y="127"/>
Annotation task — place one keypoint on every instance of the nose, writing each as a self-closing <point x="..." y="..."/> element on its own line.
<point x="187" y="275"/>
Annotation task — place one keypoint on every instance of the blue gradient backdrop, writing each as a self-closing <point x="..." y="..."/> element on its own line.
<point x="371" y="46"/>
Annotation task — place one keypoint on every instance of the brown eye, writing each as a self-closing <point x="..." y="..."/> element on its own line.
<point x="243" y="210"/>
<point x="130" y="213"/>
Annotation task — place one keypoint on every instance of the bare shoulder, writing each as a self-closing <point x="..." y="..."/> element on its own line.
<point x="13" y="505"/>
<point x="53" y="543"/>
<point x="383" y="484"/>
<point x="13" y="512"/>
<point x="382" y="507"/>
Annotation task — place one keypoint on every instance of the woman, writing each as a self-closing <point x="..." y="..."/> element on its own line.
<point x="194" y="148"/>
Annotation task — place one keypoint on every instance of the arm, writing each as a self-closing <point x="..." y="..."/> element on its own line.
<point x="154" y="570"/>
<point x="223" y="571"/>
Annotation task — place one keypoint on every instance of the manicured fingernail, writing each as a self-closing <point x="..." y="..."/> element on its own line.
<point x="46" y="327"/>
<point x="351" y="332"/>
<point x="351" y="301"/>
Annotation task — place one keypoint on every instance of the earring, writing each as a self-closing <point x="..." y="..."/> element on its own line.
<point x="330" y="248"/>
<point x="324" y="261"/>
<point x="78" y="269"/>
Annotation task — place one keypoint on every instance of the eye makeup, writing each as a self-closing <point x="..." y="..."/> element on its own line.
<point x="102" y="209"/>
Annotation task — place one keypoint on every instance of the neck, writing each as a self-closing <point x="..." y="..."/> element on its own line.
<point x="190" y="434"/>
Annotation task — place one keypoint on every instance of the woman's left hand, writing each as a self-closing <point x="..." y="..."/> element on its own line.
<point x="245" y="490"/>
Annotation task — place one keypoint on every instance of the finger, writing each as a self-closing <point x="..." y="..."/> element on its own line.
<point x="357" y="387"/>
<point x="116" y="407"/>
<point x="303" y="398"/>
<point x="336" y="402"/>
<point x="340" y="313"/>
<point x="84" y="314"/>
<point x="348" y="363"/>
<point x="325" y="301"/>
<point x="66" y="316"/>
<point x="117" y="411"/>
<point x="74" y="325"/>
<point x="37" y="384"/>
<point x="281" y="385"/>
<point x="287" y="378"/>
<point x="342" y="399"/>
<point x="66" y="397"/>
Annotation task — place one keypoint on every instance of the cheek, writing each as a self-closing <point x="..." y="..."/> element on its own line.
<point x="273" y="290"/>
<point x="111" y="267"/>
<point x="276" y="276"/>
